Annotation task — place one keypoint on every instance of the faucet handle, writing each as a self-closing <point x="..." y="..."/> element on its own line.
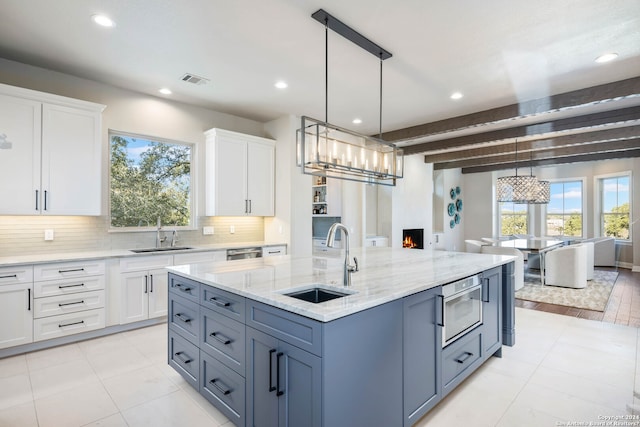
<point x="355" y="261"/>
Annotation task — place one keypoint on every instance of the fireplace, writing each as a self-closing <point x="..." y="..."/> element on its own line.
<point x="413" y="238"/>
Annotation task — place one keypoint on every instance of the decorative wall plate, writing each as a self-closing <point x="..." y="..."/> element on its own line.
<point x="457" y="219"/>
<point x="452" y="193"/>
<point x="458" y="190"/>
<point x="459" y="205"/>
<point x="451" y="209"/>
<point x="452" y="224"/>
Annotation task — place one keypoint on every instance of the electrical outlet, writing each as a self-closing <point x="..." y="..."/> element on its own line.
<point x="207" y="231"/>
<point x="232" y="229"/>
<point x="48" y="234"/>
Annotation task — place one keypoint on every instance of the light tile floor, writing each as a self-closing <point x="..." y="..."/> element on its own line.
<point x="562" y="369"/>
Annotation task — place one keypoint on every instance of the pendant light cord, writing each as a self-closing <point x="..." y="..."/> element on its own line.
<point x="380" y="134"/>
<point x="516" y="158"/>
<point x="326" y="70"/>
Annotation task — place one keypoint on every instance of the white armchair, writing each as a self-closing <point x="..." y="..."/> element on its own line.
<point x="566" y="266"/>
<point x="589" y="246"/>
<point x="474" y="246"/>
<point x="518" y="271"/>
<point x="604" y="251"/>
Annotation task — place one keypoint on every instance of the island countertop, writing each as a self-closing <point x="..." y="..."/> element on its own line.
<point x="386" y="274"/>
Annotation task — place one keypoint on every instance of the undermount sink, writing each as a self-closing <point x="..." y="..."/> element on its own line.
<point x="146" y="250"/>
<point x="317" y="295"/>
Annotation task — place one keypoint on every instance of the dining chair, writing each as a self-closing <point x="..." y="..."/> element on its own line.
<point x="567" y="267"/>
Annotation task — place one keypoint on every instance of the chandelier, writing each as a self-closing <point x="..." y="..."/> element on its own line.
<point x="517" y="189"/>
<point x="327" y="150"/>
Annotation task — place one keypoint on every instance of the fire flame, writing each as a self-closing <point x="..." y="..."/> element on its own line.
<point x="409" y="243"/>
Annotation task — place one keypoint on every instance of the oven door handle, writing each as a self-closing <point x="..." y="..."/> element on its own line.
<point x="441" y="322"/>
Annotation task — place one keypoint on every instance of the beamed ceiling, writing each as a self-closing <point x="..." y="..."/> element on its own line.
<point x="596" y="123"/>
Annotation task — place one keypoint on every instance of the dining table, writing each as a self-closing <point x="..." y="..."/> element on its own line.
<point x="536" y="245"/>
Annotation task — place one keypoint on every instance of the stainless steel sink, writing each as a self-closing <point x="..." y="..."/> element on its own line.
<point x="147" y="250"/>
<point x="317" y="295"/>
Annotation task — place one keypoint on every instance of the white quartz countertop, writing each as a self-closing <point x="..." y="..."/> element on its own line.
<point x="8" y="260"/>
<point x="385" y="275"/>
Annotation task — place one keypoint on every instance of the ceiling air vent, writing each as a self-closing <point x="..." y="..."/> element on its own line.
<point x="196" y="80"/>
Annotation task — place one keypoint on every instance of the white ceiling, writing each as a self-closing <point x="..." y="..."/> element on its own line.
<point x="497" y="52"/>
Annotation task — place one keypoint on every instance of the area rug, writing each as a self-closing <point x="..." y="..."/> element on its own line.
<point x="594" y="297"/>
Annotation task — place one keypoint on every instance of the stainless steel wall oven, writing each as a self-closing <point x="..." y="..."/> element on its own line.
<point x="461" y="308"/>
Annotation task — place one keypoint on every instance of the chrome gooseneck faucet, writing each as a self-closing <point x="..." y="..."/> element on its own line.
<point x="331" y="237"/>
<point x="159" y="239"/>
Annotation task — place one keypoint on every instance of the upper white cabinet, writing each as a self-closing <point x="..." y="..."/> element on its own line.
<point x="240" y="174"/>
<point x="50" y="162"/>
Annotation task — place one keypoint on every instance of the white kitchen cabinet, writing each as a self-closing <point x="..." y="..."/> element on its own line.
<point x="16" y="302"/>
<point x="195" y="257"/>
<point x="377" y="241"/>
<point x="144" y="291"/>
<point x="240" y="174"/>
<point x="274" y="250"/>
<point x="54" y="164"/>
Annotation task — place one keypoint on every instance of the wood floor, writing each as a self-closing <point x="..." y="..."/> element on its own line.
<point x="623" y="307"/>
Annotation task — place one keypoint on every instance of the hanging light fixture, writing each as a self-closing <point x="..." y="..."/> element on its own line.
<point x="516" y="189"/>
<point x="327" y="150"/>
<point x="542" y="192"/>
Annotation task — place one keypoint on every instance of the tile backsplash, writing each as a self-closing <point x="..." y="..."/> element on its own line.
<point x="24" y="235"/>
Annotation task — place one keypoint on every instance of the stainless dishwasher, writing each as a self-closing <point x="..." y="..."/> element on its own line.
<point x="244" y="253"/>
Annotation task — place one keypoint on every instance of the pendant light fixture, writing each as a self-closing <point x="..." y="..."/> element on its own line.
<point x="542" y="192"/>
<point x="330" y="151"/>
<point x="516" y="189"/>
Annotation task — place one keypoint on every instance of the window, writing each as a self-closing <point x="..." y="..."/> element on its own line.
<point x="150" y="179"/>
<point x="615" y="203"/>
<point x="513" y="219"/>
<point x="564" y="211"/>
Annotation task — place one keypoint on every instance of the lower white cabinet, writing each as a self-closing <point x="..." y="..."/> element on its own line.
<point x="274" y="250"/>
<point x="377" y="241"/>
<point x="16" y="318"/>
<point x="67" y="324"/>
<point x="144" y="295"/>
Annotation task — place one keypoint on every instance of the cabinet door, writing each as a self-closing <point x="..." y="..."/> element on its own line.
<point x="226" y="177"/>
<point x="71" y="161"/>
<point x="261" y="398"/>
<point x="334" y="197"/>
<point x="158" y="293"/>
<point x="260" y="179"/>
<point x="300" y="403"/>
<point x="20" y="124"/>
<point x="422" y="354"/>
<point x="492" y="322"/>
<point x="16" y="316"/>
<point x="134" y="303"/>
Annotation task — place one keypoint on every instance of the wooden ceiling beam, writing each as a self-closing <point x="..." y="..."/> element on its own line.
<point x="526" y="159"/>
<point x="572" y="123"/>
<point x="559" y="160"/>
<point x="599" y="136"/>
<point x="564" y="101"/>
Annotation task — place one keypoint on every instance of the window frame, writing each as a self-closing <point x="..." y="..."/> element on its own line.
<point x="583" y="205"/>
<point x="192" y="183"/>
<point x="599" y="213"/>
<point x="526" y="215"/>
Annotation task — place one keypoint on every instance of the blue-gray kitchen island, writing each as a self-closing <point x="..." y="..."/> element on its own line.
<point x="382" y="354"/>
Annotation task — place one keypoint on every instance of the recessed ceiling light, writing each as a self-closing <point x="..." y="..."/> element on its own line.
<point x="456" y="95"/>
<point x="281" y="84"/>
<point x="165" y="91"/>
<point x="103" y="20"/>
<point x="357" y="121"/>
<point x="606" y="57"/>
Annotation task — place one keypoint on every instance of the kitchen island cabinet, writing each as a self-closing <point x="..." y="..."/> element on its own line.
<point x="373" y="357"/>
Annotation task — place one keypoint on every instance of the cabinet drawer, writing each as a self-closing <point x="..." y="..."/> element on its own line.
<point x="67" y="324"/>
<point x="186" y="288"/>
<point x="61" y="304"/>
<point x="184" y="357"/>
<point x="67" y="286"/>
<point x="223" y="338"/>
<point x="65" y="270"/>
<point x="292" y="328"/>
<point x="192" y="258"/>
<point x="223" y="387"/>
<point x="274" y="250"/>
<point x="223" y="302"/>
<point x="184" y="317"/>
<point x="460" y="356"/>
<point x="137" y="263"/>
<point x="16" y="275"/>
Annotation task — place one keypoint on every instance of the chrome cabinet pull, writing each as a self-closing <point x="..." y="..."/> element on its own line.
<point x="29" y="299"/>
<point x="485" y="289"/>
<point x="37" y="199"/>
<point x="219" y="302"/>
<point x="151" y="284"/>
<point x="45" y="200"/>
<point x="221" y="338"/>
<point x="15" y="276"/>
<point x="183" y="288"/>
<point x="441" y="322"/>
<point x="278" y="391"/>
<point x="146" y="283"/>
<point x="220" y="386"/>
